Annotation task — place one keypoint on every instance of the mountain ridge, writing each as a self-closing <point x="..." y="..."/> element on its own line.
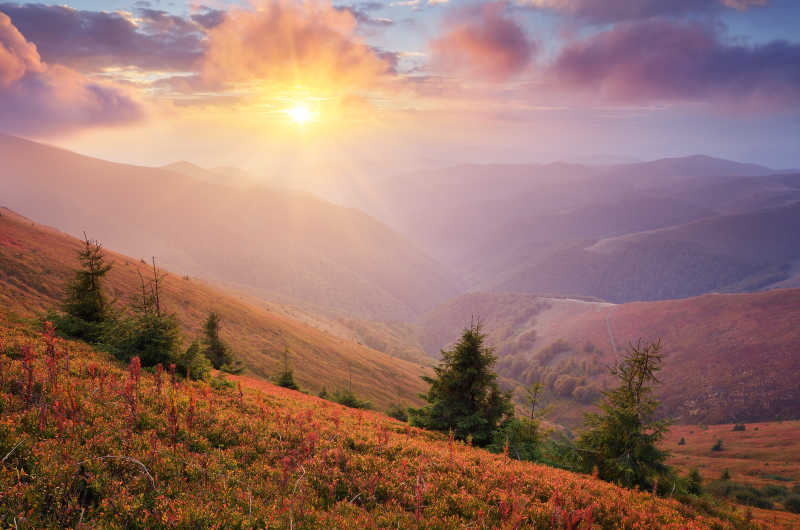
<point x="334" y="258"/>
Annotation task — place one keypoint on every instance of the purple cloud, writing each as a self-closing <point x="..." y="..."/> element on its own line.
<point x="88" y="40"/>
<point x="209" y="18"/>
<point x="36" y="98"/>
<point x="482" y="41"/>
<point x="662" y="60"/>
<point x="616" y="10"/>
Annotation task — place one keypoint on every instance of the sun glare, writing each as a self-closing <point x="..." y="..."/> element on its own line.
<point x="299" y="114"/>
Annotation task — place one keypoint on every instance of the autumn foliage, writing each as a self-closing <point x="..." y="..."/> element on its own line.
<point x="101" y="444"/>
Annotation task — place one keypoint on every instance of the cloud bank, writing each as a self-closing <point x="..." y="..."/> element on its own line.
<point x="662" y="60"/>
<point x="618" y="10"/>
<point x="36" y="98"/>
<point x="88" y="40"/>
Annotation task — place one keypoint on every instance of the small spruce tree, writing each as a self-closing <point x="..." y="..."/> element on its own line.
<point x="150" y="332"/>
<point x="286" y="377"/>
<point x="694" y="482"/>
<point x="194" y="363"/>
<point x="464" y="395"/>
<point x="86" y="304"/>
<point x="217" y="351"/>
<point x="621" y="441"/>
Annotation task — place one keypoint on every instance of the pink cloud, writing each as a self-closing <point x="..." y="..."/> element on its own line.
<point x="483" y="42"/>
<point x="36" y="98"/>
<point x="17" y="55"/>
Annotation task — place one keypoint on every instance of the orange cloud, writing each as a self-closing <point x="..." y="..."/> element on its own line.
<point x="283" y="44"/>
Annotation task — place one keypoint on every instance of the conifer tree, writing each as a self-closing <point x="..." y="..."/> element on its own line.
<point x="216" y="350"/>
<point x="86" y="303"/>
<point x="621" y="441"/>
<point x="150" y="333"/>
<point x="286" y="377"/>
<point x="464" y="395"/>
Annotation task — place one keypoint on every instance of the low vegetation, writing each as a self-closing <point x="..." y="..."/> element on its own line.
<point x="89" y="441"/>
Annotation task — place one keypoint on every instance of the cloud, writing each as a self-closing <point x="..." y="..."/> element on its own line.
<point x="36" y="98"/>
<point x="209" y="18"/>
<point x="663" y="60"/>
<point x="616" y="10"/>
<point x="286" y="44"/>
<point x="362" y="12"/>
<point x="482" y="41"/>
<point x="90" y="40"/>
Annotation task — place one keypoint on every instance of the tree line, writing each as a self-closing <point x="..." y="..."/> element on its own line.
<point x="143" y="328"/>
<point x="619" y="443"/>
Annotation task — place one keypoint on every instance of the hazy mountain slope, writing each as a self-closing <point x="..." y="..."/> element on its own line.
<point x="224" y="175"/>
<point x="688" y="166"/>
<point x="489" y="221"/>
<point x="729" y="357"/>
<point x="275" y="243"/>
<point x="36" y="261"/>
<point x="732" y="252"/>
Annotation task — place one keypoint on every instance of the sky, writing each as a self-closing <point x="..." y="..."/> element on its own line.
<point x="280" y="86"/>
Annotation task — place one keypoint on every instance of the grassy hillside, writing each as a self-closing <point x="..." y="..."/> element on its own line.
<point x="728" y="357"/>
<point x="763" y="462"/>
<point x="36" y="261"/>
<point x="274" y="243"/>
<point x="89" y="443"/>
<point x="765" y="453"/>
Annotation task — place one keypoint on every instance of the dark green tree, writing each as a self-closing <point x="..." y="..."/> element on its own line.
<point x="398" y="412"/>
<point x="217" y="351"/>
<point x="694" y="482"/>
<point x="86" y="305"/>
<point x="464" y="396"/>
<point x="149" y="332"/>
<point x="153" y="338"/>
<point x="522" y="436"/>
<point x="194" y="363"/>
<point x="349" y="399"/>
<point x="285" y="377"/>
<point x="621" y="440"/>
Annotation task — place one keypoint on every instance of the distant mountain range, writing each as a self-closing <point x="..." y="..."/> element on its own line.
<point x="679" y="226"/>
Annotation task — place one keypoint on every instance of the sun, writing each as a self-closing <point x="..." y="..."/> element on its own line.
<point x="300" y="114"/>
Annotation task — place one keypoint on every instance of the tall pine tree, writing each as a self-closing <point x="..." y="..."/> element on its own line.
<point x="464" y="396"/>
<point x="621" y="441"/>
